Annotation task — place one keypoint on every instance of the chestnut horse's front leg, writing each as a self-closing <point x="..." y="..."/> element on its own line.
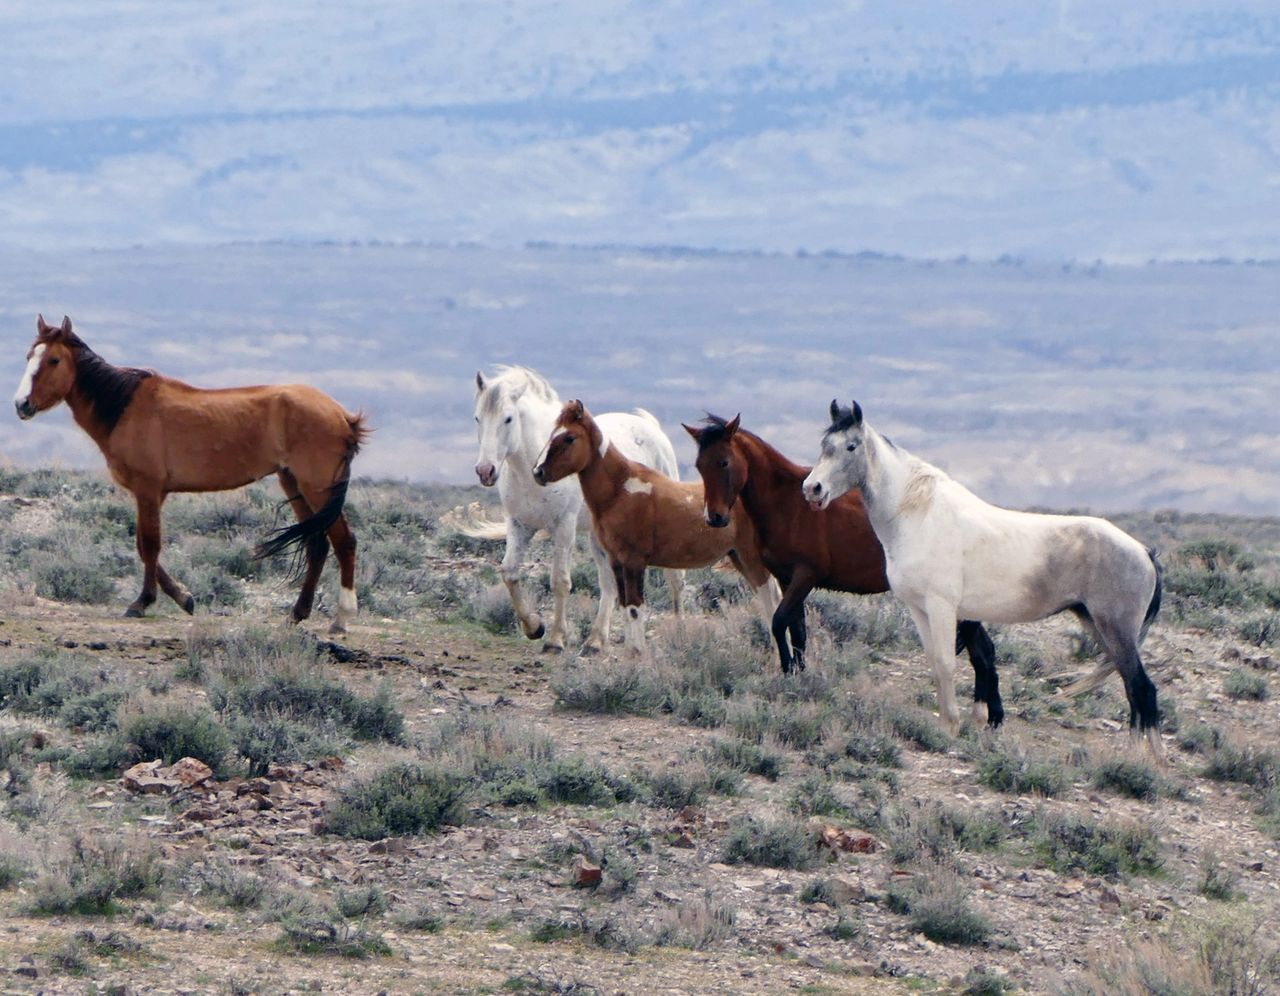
<point x="149" y="552"/>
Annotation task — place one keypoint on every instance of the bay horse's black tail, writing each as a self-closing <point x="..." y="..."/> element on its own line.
<point x="297" y="536"/>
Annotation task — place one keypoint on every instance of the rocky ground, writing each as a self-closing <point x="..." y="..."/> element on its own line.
<point x="572" y="898"/>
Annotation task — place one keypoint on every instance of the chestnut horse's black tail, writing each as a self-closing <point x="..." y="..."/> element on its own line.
<point x="298" y="536"/>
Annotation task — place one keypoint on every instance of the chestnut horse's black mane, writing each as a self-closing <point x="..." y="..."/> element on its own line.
<point x="108" y="387"/>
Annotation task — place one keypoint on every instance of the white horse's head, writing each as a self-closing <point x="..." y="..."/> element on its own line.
<point x="497" y="424"/>
<point x="842" y="466"/>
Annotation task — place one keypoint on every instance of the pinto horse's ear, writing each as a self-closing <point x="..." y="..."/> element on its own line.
<point x="732" y="426"/>
<point x="694" y="431"/>
<point x="479" y="382"/>
<point x="573" y="411"/>
<point x="66" y="324"/>
<point x="41" y="327"/>
<point x="856" y="409"/>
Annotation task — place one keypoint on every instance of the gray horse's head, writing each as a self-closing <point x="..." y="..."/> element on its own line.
<point x="842" y="465"/>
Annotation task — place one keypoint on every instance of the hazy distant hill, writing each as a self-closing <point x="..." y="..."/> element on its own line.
<point x="1109" y="387"/>
<point x="1067" y="130"/>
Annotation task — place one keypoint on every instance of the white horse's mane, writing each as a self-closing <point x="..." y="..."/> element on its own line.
<point x="511" y="377"/>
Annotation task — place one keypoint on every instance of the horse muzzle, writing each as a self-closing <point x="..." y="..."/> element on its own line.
<point x="25" y="409"/>
<point x="540" y="475"/>
<point x="717" y="520"/>
<point x="817" y="497"/>
<point x="487" y="473"/>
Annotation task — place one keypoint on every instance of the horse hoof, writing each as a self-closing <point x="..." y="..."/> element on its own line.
<point x="132" y="613"/>
<point x="338" y="629"/>
<point x="189" y="605"/>
<point x="589" y="650"/>
<point x="538" y="633"/>
<point x="552" y="648"/>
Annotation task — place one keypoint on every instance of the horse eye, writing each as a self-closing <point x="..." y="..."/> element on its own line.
<point x="724" y="464"/>
<point x="508" y="421"/>
<point x="569" y="440"/>
<point x="851" y="447"/>
<point x="54" y="361"/>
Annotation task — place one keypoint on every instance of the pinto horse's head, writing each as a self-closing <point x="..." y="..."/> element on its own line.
<point x="842" y="465"/>
<point x="721" y="466"/>
<point x="51" y="368"/>
<point x="574" y="440"/>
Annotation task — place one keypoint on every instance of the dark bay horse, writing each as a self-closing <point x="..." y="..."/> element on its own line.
<point x="835" y="549"/>
<point x="161" y="436"/>
<point x="641" y="517"/>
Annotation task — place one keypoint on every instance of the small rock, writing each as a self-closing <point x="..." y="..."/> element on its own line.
<point x="585" y="874"/>
<point x="844" y="890"/>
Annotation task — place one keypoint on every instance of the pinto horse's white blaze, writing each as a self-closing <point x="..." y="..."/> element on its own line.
<point x="948" y="553"/>
<point x="23" y="394"/>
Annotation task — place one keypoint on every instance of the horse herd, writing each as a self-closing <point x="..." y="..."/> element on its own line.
<point x="869" y="517"/>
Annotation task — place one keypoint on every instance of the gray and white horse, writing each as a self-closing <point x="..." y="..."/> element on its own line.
<point x="949" y="553"/>
<point x="515" y="411"/>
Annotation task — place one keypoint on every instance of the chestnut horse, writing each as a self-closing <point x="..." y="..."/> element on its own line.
<point x="642" y="518"/>
<point x="161" y="436"/>
<point x="835" y="549"/>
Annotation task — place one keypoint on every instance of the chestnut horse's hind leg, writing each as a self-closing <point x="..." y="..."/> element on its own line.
<point x="344" y="546"/>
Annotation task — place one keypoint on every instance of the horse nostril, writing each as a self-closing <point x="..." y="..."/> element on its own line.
<point x="817" y="487"/>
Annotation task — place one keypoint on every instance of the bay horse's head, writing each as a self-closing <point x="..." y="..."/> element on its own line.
<point x="721" y="466"/>
<point x="51" y="368"/>
<point x="574" y="440"/>
<point x="842" y="465"/>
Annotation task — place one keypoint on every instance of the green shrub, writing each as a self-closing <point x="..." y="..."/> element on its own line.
<point x="1074" y="844"/>
<point x="402" y="799"/>
<point x="92" y="877"/>
<point x="266" y="740"/>
<point x="937" y="904"/>
<point x="174" y="735"/>
<point x="1010" y="770"/>
<point x="320" y="935"/>
<point x="1245" y="684"/>
<point x="316" y="701"/>
<point x="782" y="843"/>
<point x="1247" y="765"/>
<point x="1216" y="880"/>
<point x="816" y="795"/>
<point x="608" y="688"/>
<point x="752" y="758"/>
<point x="366" y="902"/>
<point x="1135" y="779"/>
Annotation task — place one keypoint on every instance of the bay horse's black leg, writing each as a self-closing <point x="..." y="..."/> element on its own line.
<point x="971" y="636"/>
<point x="176" y="591"/>
<point x="784" y="618"/>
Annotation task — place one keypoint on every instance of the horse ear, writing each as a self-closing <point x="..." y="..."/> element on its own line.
<point x="66" y="324"/>
<point x="479" y="382"/>
<point x="573" y="411"/>
<point x="857" y="413"/>
<point x="41" y="327"/>
<point x="694" y="431"/>
<point x="835" y="411"/>
<point x="732" y="426"/>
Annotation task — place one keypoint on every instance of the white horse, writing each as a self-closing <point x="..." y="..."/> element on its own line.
<point x="948" y="553"/>
<point x="516" y="410"/>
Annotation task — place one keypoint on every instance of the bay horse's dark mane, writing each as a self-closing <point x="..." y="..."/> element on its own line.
<point x="108" y="387"/>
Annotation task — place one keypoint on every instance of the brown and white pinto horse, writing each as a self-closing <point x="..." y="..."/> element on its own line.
<point x="161" y="436"/>
<point x="835" y="549"/>
<point x="643" y="518"/>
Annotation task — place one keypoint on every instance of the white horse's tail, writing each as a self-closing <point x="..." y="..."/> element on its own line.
<point x="475" y="521"/>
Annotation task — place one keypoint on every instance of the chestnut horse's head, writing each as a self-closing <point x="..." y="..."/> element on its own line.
<point x="574" y="441"/>
<point x="721" y="466"/>
<point x="51" y="368"/>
